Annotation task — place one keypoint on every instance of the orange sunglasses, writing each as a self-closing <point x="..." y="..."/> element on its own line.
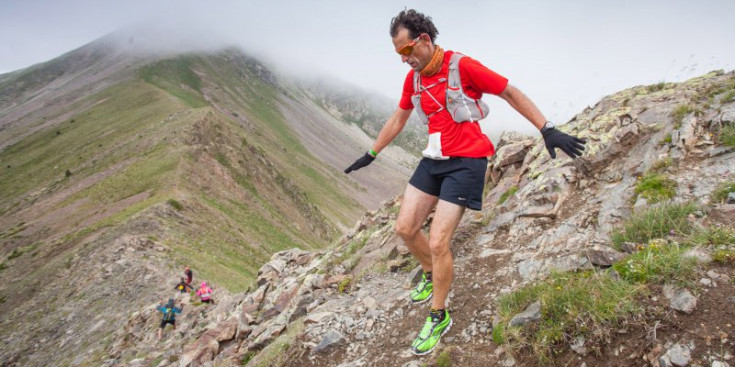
<point x="408" y="48"/>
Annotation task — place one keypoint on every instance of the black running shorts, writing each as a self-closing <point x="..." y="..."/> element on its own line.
<point x="456" y="180"/>
<point x="164" y="322"/>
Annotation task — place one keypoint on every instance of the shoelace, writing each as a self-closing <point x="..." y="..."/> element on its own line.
<point x="422" y="284"/>
<point x="428" y="327"/>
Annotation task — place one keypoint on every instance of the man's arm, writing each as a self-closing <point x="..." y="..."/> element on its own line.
<point x="553" y="138"/>
<point x="521" y="103"/>
<point x="390" y="130"/>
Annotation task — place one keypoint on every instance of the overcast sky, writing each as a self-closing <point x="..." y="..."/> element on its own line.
<point x="564" y="54"/>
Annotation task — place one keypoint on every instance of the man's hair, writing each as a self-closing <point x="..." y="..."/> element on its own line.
<point x="416" y="23"/>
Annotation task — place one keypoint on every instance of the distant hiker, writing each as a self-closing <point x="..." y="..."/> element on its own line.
<point x="205" y="293"/>
<point x="445" y="88"/>
<point x="189" y="275"/>
<point x="184" y="286"/>
<point x="169" y="315"/>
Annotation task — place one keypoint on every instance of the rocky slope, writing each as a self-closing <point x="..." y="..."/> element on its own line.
<point x="347" y="306"/>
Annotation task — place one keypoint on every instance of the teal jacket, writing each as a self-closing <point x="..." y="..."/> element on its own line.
<point x="169" y="313"/>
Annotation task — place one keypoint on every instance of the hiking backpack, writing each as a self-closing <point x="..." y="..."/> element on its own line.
<point x="168" y="314"/>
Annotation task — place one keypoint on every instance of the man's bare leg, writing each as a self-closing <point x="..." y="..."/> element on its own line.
<point x="415" y="208"/>
<point x="445" y="222"/>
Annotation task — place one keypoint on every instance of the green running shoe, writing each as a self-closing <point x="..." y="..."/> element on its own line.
<point x="430" y="334"/>
<point x="423" y="290"/>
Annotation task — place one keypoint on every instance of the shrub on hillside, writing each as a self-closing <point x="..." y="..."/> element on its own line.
<point x="721" y="192"/>
<point x="655" y="222"/>
<point x="679" y="113"/>
<point x="712" y="236"/>
<point x="724" y="256"/>
<point x="655" y="187"/>
<point x="727" y="135"/>
<point x="175" y="204"/>
<point x="659" y="261"/>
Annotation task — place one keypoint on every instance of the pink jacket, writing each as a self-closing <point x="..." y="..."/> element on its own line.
<point x="205" y="293"/>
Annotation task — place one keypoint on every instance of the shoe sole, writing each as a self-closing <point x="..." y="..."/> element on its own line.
<point x="423" y="300"/>
<point x="437" y="342"/>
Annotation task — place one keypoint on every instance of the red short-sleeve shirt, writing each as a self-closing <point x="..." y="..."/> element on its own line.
<point x="457" y="139"/>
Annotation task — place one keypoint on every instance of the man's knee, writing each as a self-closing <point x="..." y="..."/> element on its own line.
<point x="405" y="231"/>
<point x="439" y="248"/>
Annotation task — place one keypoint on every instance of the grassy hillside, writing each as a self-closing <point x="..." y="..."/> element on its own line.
<point x="200" y="134"/>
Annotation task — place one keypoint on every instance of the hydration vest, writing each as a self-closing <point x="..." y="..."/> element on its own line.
<point x="460" y="106"/>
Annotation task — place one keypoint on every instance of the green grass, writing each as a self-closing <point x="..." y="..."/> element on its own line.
<point x="590" y="303"/>
<point x="727" y="135"/>
<point x="150" y="174"/>
<point x="157" y="360"/>
<point x="679" y="113"/>
<point x="728" y="97"/>
<point x="654" y="222"/>
<point x="171" y="74"/>
<point x="246" y="358"/>
<point x="275" y="353"/>
<point x="274" y="138"/>
<point x="444" y="359"/>
<point x="11" y="232"/>
<point x="712" y="236"/>
<point x="345" y="285"/>
<point x="15" y="254"/>
<point x="658" y="262"/>
<point x="347" y="251"/>
<point x="667" y="139"/>
<point x="655" y="187"/>
<point x="101" y="137"/>
<point x="572" y="304"/>
<point x="507" y="194"/>
<point x="175" y="204"/>
<point x="656" y="87"/>
<point x="719" y="195"/>
<point x="724" y="256"/>
<point x="661" y="165"/>
<point x="498" y="334"/>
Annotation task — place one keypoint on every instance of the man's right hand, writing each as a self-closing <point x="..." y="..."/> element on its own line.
<point x="361" y="162"/>
<point x="571" y="145"/>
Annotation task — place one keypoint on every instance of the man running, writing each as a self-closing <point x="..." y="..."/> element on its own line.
<point x="447" y="87"/>
<point x="169" y="312"/>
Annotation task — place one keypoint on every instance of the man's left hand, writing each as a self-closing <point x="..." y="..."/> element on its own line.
<point x="571" y="145"/>
<point x="360" y="162"/>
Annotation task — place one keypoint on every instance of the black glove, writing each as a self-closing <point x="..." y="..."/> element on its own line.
<point x="361" y="162"/>
<point x="571" y="145"/>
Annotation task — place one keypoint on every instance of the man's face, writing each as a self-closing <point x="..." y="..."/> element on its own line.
<point x="421" y="53"/>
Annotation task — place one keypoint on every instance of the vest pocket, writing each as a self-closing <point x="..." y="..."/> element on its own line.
<point x="416" y="100"/>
